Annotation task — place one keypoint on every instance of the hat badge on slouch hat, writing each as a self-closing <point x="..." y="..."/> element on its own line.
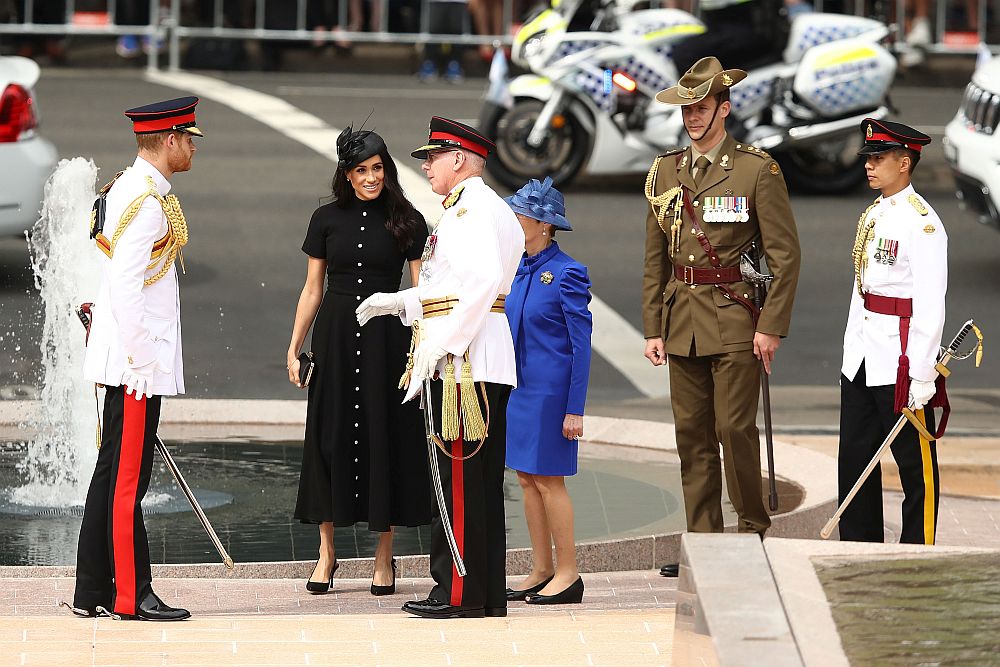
<point x="885" y="135"/>
<point x="705" y="78"/>
<point x="176" y="114"/>
<point x="445" y="134"/>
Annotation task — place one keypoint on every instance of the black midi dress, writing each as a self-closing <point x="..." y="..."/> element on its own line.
<point x="364" y="457"/>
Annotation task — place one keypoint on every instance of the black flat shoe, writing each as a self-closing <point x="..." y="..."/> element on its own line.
<point x="386" y="590"/>
<point x="152" y="608"/>
<point x="573" y="594"/>
<point x="514" y="596"/>
<point x="670" y="570"/>
<point x="317" y="587"/>
<point x="434" y="609"/>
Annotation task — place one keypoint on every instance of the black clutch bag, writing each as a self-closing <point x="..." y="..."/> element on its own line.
<point x="306" y="366"/>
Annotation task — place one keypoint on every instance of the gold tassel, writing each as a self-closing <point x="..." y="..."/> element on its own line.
<point x="449" y="403"/>
<point x="472" y="416"/>
<point x="404" y="380"/>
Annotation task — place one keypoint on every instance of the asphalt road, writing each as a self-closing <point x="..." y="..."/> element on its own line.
<point x="253" y="188"/>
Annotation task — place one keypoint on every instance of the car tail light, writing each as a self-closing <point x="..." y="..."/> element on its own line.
<point x="17" y="113"/>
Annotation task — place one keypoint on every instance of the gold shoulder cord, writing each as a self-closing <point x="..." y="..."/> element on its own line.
<point x="861" y="240"/>
<point x="661" y="203"/>
<point x="177" y="233"/>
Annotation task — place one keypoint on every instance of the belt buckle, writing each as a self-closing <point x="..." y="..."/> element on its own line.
<point x="689" y="275"/>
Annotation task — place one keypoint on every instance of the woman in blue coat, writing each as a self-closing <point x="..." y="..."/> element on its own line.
<point x="551" y="325"/>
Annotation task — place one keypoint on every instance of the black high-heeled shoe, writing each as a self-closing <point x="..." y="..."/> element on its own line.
<point x="317" y="587"/>
<point x="515" y="596"/>
<point x="572" y="594"/>
<point x="386" y="590"/>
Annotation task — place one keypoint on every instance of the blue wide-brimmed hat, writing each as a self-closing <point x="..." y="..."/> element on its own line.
<point x="541" y="201"/>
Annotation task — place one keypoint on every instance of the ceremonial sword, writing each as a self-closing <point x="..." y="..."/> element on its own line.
<point x="949" y="353"/>
<point x="83" y="313"/>
<point x="449" y="534"/>
<point x="750" y="273"/>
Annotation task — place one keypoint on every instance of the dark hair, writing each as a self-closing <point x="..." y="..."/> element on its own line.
<point x="401" y="219"/>
<point x="910" y="153"/>
<point x="722" y="96"/>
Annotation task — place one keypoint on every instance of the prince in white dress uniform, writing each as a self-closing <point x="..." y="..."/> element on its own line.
<point x="134" y="352"/>
<point x="892" y="338"/>
<point x="469" y="265"/>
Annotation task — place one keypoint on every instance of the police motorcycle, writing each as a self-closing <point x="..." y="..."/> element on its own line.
<point x="588" y="102"/>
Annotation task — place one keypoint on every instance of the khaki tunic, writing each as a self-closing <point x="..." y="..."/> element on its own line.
<point x="680" y="313"/>
<point x="715" y="389"/>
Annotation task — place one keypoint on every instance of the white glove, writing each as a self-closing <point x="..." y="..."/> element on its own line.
<point x="380" y="303"/>
<point x="139" y="381"/>
<point x="425" y="361"/>
<point x="921" y="391"/>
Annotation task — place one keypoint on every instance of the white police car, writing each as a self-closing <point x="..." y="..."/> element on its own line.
<point x="972" y="145"/>
<point x="26" y="159"/>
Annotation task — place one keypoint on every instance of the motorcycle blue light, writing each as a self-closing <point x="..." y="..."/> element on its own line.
<point x="608" y="81"/>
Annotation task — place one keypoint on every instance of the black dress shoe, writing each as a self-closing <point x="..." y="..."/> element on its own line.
<point x="670" y="570"/>
<point x="514" y="596"/>
<point x="318" y="587"/>
<point x="490" y="612"/>
<point x="152" y="608"/>
<point x="434" y="609"/>
<point x="572" y="594"/>
<point x="386" y="590"/>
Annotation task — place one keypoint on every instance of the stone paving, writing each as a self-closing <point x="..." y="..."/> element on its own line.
<point x="626" y="618"/>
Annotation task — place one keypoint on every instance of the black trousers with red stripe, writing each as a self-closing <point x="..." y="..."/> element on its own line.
<point x="112" y="561"/>
<point x="473" y="491"/>
<point x="866" y="417"/>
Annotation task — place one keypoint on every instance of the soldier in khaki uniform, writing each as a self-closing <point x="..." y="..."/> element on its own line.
<point x="708" y="203"/>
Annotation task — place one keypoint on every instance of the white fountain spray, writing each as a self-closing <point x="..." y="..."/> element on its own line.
<point x="65" y="262"/>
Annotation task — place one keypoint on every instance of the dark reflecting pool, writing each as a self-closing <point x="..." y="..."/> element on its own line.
<point x="935" y="611"/>
<point x="250" y="490"/>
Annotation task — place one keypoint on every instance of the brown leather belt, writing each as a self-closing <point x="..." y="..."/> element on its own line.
<point x="442" y="306"/>
<point x="698" y="275"/>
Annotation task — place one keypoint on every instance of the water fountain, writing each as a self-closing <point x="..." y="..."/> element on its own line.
<point x="60" y="459"/>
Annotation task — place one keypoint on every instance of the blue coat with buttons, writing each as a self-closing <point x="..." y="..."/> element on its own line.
<point x="551" y="325"/>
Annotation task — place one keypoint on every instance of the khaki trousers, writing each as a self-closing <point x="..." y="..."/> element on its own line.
<point x="714" y="399"/>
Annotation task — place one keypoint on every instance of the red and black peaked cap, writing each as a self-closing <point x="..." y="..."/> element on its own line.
<point x="884" y="135"/>
<point x="450" y="134"/>
<point x="176" y="114"/>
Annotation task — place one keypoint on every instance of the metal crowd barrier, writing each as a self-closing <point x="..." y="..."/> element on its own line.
<point x="945" y="38"/>
<point x="166" y="24"/>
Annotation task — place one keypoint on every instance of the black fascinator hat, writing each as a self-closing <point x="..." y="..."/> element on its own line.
<point x="354" y="147"/>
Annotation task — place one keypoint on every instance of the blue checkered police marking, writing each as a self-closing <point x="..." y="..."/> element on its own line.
<point x="569" y="48"/>
<point x="646" y="76"/>
<point x="822" y="34"/>
<point x="746" y="94"/>
<point x="856" y="93"/>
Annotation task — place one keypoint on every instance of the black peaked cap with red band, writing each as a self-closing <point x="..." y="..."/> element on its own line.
<point x="448" y="134"/>
<point x="176" y="114"/>
<point x="884" y="135"/>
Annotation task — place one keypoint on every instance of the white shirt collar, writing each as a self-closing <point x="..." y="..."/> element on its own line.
<point x="146" y="168"/>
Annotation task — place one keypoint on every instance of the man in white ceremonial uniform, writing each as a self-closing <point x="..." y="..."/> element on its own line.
<point x="892" y="339"/>
<point x="468" y="266"/>
<point x="134" y="352"/>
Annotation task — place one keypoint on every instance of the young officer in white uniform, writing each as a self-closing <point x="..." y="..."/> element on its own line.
<point x="134" y="351"/>
<point x="892" y="339"/>
<point x="469" y="265"/>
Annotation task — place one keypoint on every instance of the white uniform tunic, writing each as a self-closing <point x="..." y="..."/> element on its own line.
<point x="477" y="250"/>
<point x="135" y="324"/>
<point x="907" y="258"/>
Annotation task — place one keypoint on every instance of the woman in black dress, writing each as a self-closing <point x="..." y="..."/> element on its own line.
<point x="363" y="458"/>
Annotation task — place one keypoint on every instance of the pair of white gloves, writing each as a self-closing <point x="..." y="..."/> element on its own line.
<point x="427" y="354"/>
<point x="921" y="391"/>
<point x="139" y="381"/>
